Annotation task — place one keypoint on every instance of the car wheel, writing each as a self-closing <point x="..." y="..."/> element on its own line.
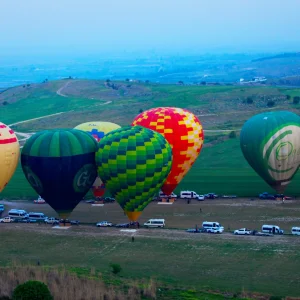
<point x="236" y="233"/>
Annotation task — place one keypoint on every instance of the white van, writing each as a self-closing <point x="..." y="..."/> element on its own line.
<point x="296" y="230"/>
<point x="162" y="195"/>
<point x="36" y="216"/>
<point x="155" y="223"/>
<point x="213" y="227"/>
<point x="17" y="214"/>
<point x="191" y="195"/>
<point x="274" y="229"/>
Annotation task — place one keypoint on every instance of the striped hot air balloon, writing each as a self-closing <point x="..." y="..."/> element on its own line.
<point x="270" y="143"/>
<point x="60" y="166"/>
<point x="97" y="130"/>
<point x="183" y="131"/>
<point x="133" y="162"/>
<point x="9" y="154"/>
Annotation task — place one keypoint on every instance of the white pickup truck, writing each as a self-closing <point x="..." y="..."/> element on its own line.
<point x="51" y="221"/>
<point x="7" y="220"/>
<point x="243" y="231"/>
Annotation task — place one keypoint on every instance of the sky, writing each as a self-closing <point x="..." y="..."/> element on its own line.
<point x="77" y="26"/>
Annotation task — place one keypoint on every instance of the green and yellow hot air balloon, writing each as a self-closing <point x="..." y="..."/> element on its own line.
<point x="270" y="143"/>
<point x="133" y="162"/>
<point x="60" y="166"/>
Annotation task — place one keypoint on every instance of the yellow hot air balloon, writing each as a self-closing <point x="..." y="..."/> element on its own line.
<point x="9" y="154"/>
<point x="98" y="130"/>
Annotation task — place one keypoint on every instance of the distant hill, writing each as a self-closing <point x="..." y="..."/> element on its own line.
<point x="283" y="55"/>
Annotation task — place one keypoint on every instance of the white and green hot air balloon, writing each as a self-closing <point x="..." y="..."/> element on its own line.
<point x="270" y="143"/>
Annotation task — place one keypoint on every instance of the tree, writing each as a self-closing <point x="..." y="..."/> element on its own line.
<point x="180" y="82"/>
<point x="203" y="82"/>
<point x="5" y="103"/>
<point x="249" y="100"/>
<point x="127" y="79"/>
<point x="271" y="103"/>
<point x="232" y="135"/>
<point x="115" y="268"/>
<point x="288" y="97"/>
<point x="147" y="81"/>
<point x="107" y="80"/>
<point x="141" y="110"/>
<point x="296" y="100"/>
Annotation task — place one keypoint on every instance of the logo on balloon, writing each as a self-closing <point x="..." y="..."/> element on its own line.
<point x="34" y="180"/>
<point x="282" y="152"/>
<point x="84" y="178"/>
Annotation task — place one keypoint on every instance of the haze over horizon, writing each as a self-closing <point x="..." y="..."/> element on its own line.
<point x="170" y="26"/>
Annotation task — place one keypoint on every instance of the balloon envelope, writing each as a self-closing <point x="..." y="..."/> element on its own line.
<point x="183" y="131"/>
<point x="9" y="154"/>
<point x="270" y="143"/>
<point x="60" y="166"/>
<point x="133" y="162"/>
<point x="98" y="131"/>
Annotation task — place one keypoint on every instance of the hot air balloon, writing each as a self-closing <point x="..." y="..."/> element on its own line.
<point x="133" y="162"/>
<point x="98" y="130"/>
<point x="60" y="166"/>
<point x="183" y="131"/>
<point x="270" y="143"/>
<point x="9" y="154"/>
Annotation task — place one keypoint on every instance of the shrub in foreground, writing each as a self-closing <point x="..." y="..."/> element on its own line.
<point x="32" y="290"/>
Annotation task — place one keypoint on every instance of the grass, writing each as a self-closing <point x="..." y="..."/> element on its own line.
<point x="220" y="168"/>
<point x="201" y="262"/>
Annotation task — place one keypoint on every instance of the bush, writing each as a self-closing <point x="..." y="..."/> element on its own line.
<point x="288" y="97"/>
<point x="32" y="290"/>
<point x="5" y="103"/>
<point x="4" y="298"/>
<point x="249" y="100"/>
<point x="270" y="103"/>
<point x="116" y="268"/>
<point x="232" y="135"/>
<point x="296" y="99"/>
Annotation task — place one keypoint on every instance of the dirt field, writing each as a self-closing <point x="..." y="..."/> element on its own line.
<point x="232" y="214"/>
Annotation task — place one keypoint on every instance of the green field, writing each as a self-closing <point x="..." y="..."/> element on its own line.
<point x="220" y="169"/>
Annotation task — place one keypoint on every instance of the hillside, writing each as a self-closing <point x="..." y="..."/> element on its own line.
<point x="218" y="107"/>
<point x="221" y="167"/>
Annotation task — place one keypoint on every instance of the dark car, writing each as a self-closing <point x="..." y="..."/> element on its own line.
<point x="123" y="225"/>
<point x="74" y="222"/>
<point x="210" y="196"/>
<point x="109" y="200"/>
<point x="267" y="196"/>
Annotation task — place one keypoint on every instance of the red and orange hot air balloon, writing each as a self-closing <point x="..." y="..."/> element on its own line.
<point x="184" y="132"/>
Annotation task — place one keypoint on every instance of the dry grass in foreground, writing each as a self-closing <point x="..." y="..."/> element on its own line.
<point x="64" y="285"/>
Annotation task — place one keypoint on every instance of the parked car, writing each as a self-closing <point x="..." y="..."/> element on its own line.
<point x="51" y="221"/>
<point x="7" y="220"/>
<point x="243" y="231"/>
<point x="213" y="227"/>
<point x="90" y="201"/>
<point x="123" y="225"/>
<point x="40" y="200"/>
<point x="282" y="196"/>
<point x="104" y="224"/>
<point x="1" y="208"/>
<point x="74" y="222"/>
<point x="266" y="196"/>
<point x="161" y="194"/>
<point x="210" y="196"/>
<point x="191" y="195"/>
<point x="109" y="199"/>
<point x="25" y="220"/>
<point x="272" y="229"/>
<point x="295" y="230"/>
